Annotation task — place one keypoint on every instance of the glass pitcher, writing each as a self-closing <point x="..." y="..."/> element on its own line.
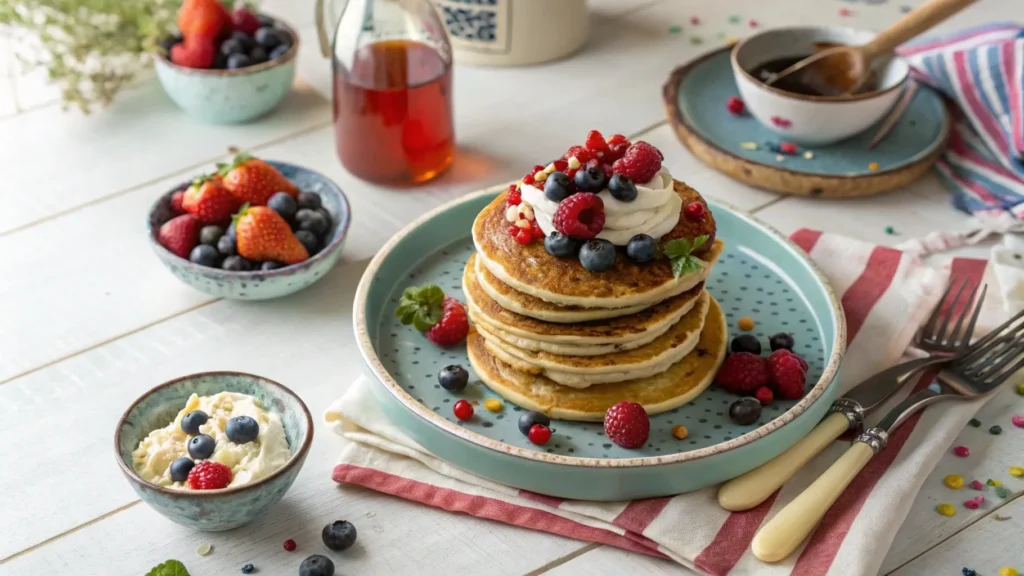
<point x="392" y="66"/>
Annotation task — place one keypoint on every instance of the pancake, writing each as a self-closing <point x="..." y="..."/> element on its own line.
<point x="564" y="282"/>
<point x="583" y="371"/>
<point x="682" y="382"/>
<point x="579" y="339"/>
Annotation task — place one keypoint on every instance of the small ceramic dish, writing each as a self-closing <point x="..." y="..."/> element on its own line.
<point x="260" y="284"/>
<point x="216" y="96"/>
<point x="214" y="510"/>
<point x="812" y="119"/>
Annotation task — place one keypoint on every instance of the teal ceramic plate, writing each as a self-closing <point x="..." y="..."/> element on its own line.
<point x="761" y="275"/>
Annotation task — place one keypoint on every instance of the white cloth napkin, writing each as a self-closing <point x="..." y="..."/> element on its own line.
<point x="887" y="294"/>
<point x="1008" y="268"/>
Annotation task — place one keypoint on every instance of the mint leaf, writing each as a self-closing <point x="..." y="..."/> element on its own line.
<point x="420" y="306"/>
<point x="678" y="248"/>
<point x="169" y="568"/>
<point x="679" y="254"/>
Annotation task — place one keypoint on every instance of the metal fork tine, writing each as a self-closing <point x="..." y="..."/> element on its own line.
<point x="985" y="345"/>
<point x="974" y="317"/>
<point x="996" y="380"/>
<point x="941" y="334"/>
<point x="929" y="328"/>
<point x="1001" y="358"/>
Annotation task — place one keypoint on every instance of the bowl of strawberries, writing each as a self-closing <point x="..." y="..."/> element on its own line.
<point x="251" y="229"/>
<point x="227" y="67"/>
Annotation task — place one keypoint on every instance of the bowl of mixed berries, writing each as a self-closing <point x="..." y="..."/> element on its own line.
<point x="227" y="67"/>
<point x="251" y="229"/>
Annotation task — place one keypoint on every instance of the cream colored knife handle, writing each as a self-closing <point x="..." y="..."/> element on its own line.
<point x="747" y="491"/>
<point x="783" y="533"/>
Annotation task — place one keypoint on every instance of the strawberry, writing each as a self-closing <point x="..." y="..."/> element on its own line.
<point x="627" y="424"/>
<point x="209" y="475"/>
<point x="443" y="318"/>
<point x="208" y="200"/>
<point x="254" y="181"/>
<point x="786" y="374"/>
<point x="180" y="234"/>
<point x="194" y="52"/>
<point x="203" y="19"/>
<point x="263" y="234"/>
<point x="245" y="21"/>
<point x="742" y="373"/>
<point x="176" y="200"/>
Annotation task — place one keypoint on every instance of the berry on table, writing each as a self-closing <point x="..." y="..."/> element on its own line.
<point x="597" y="255"/>
<point x="226" y="245"/>
<point x="453" y="378"/>
<point x="204" y="255"/>
<point x="627" y="424"/>
<point x="781" y="341"/>
<point x="556" y="187"/>
<point x="180" y="468"/>
<point x="745" y="343"/>
<point x="787" y="148"/>
<point x="290" y="545"/>
<point x="641" y="248"/>
<point x="640" y="162"/>
<point x="786" y="374"/>
<point x="311" y="220"/>
<point x="210" y="235"/>
<point x="679" y="432"/>
<point x="591" y="179"/>
<point x="191" y="422"/>
<point x="695" y="211"/>
<point x="463" y="410"/>
<point x="443" y="318"/>
<point x="248" y="569"/>
<point x="560" y="245"/>
<point x="242" y="429"/>
<point x="529" y="419"/>
<point x="580" y="216"/>
<point x="308" y="239"/>
<point x="179" y="235"/>
<point x="745" y="411"/>
<point x="764" y="395"/>
<point x="453" y="327"/>
<point x="270" y="265"/>
<point x="209" y="475"/>
<point x="236" y="264"/>
<point x="622" y="188"/>
<point x="492" y="405"/>
<point x="539" y="434"/>
<point x="201" y="446"/>
<point x="339" y="535"/>
<point x="742" y="373"/>
<point x="316" y="565"/>
<point x="284" y="204"/>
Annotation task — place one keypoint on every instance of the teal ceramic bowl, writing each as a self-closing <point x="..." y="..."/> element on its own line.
<point x="761" y="274"/>
<point x="214" y="510"/>
<point x="229" y="96"/>
<point x="260" y="284"/>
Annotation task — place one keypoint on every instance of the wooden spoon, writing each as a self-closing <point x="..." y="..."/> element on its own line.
<point x="842" y="70"/>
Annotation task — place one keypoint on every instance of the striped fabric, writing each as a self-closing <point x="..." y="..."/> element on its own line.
<point x="886" y="295"/>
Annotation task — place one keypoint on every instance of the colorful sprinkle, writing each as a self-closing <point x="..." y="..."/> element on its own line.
<point x="734" y="19"/>
<point x="696" y="40"/>
<point x="731" y="41"/>
<point x="1003" y="492"/>
<point x="991" y="482"/>
<point x="890" y="230"/>
<point x="954" y="481"/>
<point x="962" y="451"/>
<point x="808" y="154"/>
<point x="492" y="405"/>
<point x="845" y="12"/>
<point x="680" y="432"/>
<point x="946" y="509"/>
<point x="779" y="158"/>
<point x="749" y="145"/>
<point x="694" y="20"/>
<point x="675" y="29"/>
<point x="753" y="23"/>
<point x="1018" y="421"/>
<point x="248" y="569"/>
<point x="977" y="485"/>
<point x="1020" y="388"/>
<point x="974" y="503"/>
<point x="1007" y="571"/>
<point x="995" y="430"/>
<point x="1002" y="518"/>
<point x="975" y="423"/>
<point x="873" y="166"/>
<point x="906" y="9"/>
<point x="787" y="148"/>
<point x="745" y="323"/>
<point x="204" y="549"/>
<point x="968" y="572"/>
<point x="1017" y="471"/>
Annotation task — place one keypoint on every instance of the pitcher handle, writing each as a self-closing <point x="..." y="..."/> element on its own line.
<point x="321" y="30"/>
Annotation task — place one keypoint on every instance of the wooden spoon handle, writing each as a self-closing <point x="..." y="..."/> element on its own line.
<point x="919" y="20"/>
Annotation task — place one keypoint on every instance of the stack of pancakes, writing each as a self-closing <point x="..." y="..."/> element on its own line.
<point x="550" y="336"/>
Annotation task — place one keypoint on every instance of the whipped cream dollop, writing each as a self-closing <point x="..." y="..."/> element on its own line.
<point x="654" y="212"/>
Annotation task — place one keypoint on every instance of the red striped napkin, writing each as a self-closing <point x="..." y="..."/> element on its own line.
<point x="886" y="294"/>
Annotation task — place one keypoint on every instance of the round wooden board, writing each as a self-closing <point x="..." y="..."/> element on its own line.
<point x="829" y="182"/>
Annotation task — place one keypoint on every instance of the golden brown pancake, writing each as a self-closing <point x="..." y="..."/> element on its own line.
<point x="682" y="382"/>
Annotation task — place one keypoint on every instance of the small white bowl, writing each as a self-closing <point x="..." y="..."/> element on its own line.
<point x="812" y="119"/>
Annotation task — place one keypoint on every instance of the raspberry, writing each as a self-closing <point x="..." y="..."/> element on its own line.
<point x="764" y="395"/>
<point x="641" y="162"/>
<point x="695" y="211"/>
<point x="209" y="475"/>
<point x="515" y="195"/>
<point x="616" y="151"/>
<point x="176" y="200"/>
<point x="580" y="216"/>
<point x="786" y="374"/>
<point x="627" y="424"/>
<point x="791" y="353"/>
<point x="742" y="373"/>
<point x="617" y="139"/>
<point x="581" y="154"/>
<point x="453" y="326"/>
<point x="561" y="165"/>
<point x="524" y="236"/>
<point x="595" y="142"/>
<point x="528" y="179"/>
<point x="734" y="105"/>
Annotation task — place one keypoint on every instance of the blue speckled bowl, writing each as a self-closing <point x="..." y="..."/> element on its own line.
<point x="214" y="510"/>
<point x="260" y="285"/>
<point x="229" y="96"/>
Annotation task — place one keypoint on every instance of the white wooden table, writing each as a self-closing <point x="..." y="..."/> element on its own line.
<point x="89" y="319"/>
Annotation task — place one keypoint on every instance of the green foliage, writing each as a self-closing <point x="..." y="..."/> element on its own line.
<point x="679" y="254"/>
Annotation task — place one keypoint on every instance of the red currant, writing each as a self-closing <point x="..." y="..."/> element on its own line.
<point x="289" y="545"/>
<point x="463" y="410"/>
<point x="734" y="105"/>
<point x="561" y="165"/>
<point x="764" y="395"/>
<point x="524" y="236"/>
<point x="528" y="179"/>
<point x="538" y="234"/>
<point x="694" y="20"/>
<point x="695" y="211"/>
<point x="539" y="434"/>
<point x="787" y="148"/>
<point x="515" y="196"/>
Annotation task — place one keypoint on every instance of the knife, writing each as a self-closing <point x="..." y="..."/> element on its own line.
<point x="747" y="491"/>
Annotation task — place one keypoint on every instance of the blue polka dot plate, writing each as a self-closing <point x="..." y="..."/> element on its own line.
<point x="761" y="274"/>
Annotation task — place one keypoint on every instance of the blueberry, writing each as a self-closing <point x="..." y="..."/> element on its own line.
<point x="527" y="420"/>
<point x="597" y="255"/>
<point x="270" y="265"/>
<point x="169" y="42"/>
<point x="242" y="429"/>
<point x="248" y="569"/>
<point x="258" y="55"/>
<point x="220" y="61"/>
<point x="746" y="343"/>
<point x="560" y="245"/>
<point x="308" y="240"/>
<point x="622" y="188"/>
<point x="204" y="255"/>
<point x="180" y="469"/>
<point x="210" y="235"/>
<point x="232" y="46"/>
<point x="327" y="215"/>
<point x="453" y="378"/>
<point x="781" y="341"/>
<point x="266" y="20"/>
<point x="316" y="565"/>
<point x="284" y="37"/>
<point x="309" y="200"/>
<point x="311" y="220"/>
<point x="226" y="244"/>
<point x="201" y="446"/>
<point x="279" y="51"/>
<point x="236" y="61"/>
<point x="745" y="411"/>
<point x="641" y="248"/>
<point x="591" y="179"/>
<point x="339" y="535"/>
<point x="284" y="204"/>
<point x="244" y="39"/>
<point x="236" y="264"/>
<point x="191" y="422"/>
<point x="556" y="187"/>
<point x="267" y="37"/>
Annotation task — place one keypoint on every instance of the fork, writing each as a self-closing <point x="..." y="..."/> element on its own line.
<point x="747" y="491"/>
<point x="992" y="361"/>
